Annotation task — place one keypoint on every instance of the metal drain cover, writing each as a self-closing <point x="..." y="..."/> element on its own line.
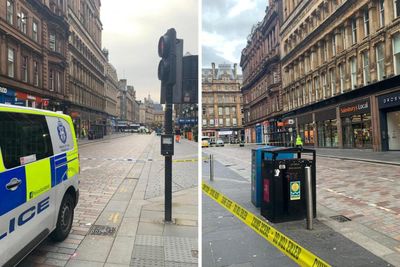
<point x="340" y="218"/>
<point x="102" y="230"/>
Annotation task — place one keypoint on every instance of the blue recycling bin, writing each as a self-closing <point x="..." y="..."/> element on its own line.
<point x="257" y="156"/>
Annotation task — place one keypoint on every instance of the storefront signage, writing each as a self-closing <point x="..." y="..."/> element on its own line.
<point x="359" y="107"/>
<point x="3" y="90"/>
<point x="389" y="100"/>
<point x="45" y="102"/>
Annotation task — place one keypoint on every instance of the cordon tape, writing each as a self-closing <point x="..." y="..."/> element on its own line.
<point x="289" y="247"/>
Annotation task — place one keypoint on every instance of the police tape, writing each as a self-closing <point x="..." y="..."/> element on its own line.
<point x="188" y="160"/>
<point x="289" y="247"/>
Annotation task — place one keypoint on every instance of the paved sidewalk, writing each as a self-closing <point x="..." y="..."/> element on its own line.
<point x="84" y="141"/>
<point x="229" y="242"/>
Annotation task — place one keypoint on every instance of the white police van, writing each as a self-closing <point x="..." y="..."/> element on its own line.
<point x="39" y="168"/>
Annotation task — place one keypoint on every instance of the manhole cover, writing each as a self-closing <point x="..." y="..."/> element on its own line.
<point x="195" y="253"/>
<point x="102" y="230"/>
<point x="340" y="218"/>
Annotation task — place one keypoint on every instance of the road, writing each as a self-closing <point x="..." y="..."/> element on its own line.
<point x="118" y="178"/>
<point x="366" y="193"/>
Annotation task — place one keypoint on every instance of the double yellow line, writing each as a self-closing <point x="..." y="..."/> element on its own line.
<point x="288" y="246"/>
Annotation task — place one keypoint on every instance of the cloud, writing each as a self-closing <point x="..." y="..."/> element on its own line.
<point x="226" y="25"/>
<point x="131" y="34"/>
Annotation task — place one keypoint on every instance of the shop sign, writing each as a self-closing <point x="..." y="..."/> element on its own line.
<point x="290" y="121"/>
<point x="74" y="114"/>
<point x="3" y="90"/>
<point x="389" y="100"/>
<point x="359" y="107"/>
<point x="45" y="102"/>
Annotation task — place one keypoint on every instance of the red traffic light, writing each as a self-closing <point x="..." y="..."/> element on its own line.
<point x="163" y="46"/>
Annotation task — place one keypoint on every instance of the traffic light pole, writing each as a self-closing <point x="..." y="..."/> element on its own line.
<point x="168" y="158"/>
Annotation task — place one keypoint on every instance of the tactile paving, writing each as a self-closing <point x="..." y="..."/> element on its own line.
<point x="179" y="249"/>
<point x="148" y="252"/>
<point x="179" y="264"/>
<point x="147" y="263"/>
<point x="149" y="240"/>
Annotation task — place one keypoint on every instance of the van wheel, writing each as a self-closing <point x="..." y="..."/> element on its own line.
<point x="64" y="220"/>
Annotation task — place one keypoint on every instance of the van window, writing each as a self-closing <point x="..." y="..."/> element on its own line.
<point x="23" y="137"/>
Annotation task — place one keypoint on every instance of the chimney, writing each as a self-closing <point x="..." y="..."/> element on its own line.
<point x="213" y="70"/>
<point x="235" y="71"/>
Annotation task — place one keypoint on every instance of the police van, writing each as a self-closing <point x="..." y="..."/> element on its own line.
<point x="39" y="168"/>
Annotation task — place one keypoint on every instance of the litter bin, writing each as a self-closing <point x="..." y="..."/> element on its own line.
<point x="257" y="156"/>
<point x="284" y="189"/>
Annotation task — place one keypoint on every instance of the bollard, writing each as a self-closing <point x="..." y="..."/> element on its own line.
<point x="211" y="167"/>
<point x="309" y="199"/>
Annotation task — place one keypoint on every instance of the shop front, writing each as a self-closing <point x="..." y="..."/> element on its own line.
<point x="306" y="129"/>
<point x="389" y="113"/>
<point x="259" y="133"/>
<point x="327" y="128"/>
<point x="356" y="124"/>
<point x="7" y="95"/>
<point x="27" y="100"/>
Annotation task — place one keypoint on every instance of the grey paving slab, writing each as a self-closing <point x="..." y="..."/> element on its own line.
<point x="121" y="250"/>
<point x="128" y="227"/>
<point x="180" y="231"/>
<point x="146" y="263"/>
<point x="146" y="228"/>
<point x="117" y="205"/>
<point x="94" y="248"/>
<point x="149" y="240"/>
<point x="179" y="264"/>
<point x="80" y="263"/>
<point x="148" y="252"/>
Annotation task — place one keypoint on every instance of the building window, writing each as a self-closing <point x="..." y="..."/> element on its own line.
<point x="366" y="68"/>
<point x="35" y="31"/>
<point x="353" y="72"/>
<point x="52" y="41"/>
<point x="324" y="86"/>
<point x="324" y="51"/>
<point x="396" y="8"/>
<point x="396" y="53"/>
<point x="35" y="73"/>
<point x="228" y="122"/>
<point x="316" y="94"/>
<point x="10" y="64"/>
<point x="58" y="81"/>
<point x="211" y="122"/>
<point x="332" y="78"/>
<point x="333" y="45"/>
<point x="344" y="39"/>
<point x="310" y="91"/>
<point x="234" y="122"/>
<point x="221" y="122"/>
<point x="341" y="77"/>
<point x="227" y="111"/>
<point x="51" y="80"/>
<point x="353" y="31"/>
<point x="10" y="12"/>
<point x="204" y="110"/>
<point x="366" y="23"/>
<point x="380" y="61"/>
<point x="381" y="13"/>
<point x="24" y="70"/>
<point x="204" y="122"/>
<point x="211" y="111"/>
<point x="220" y="111"/>
<point x="22" y="22"/>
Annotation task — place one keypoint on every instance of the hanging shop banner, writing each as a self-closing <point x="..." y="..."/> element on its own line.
<point x="389" y="100"/>
<point x="355" y="108"/>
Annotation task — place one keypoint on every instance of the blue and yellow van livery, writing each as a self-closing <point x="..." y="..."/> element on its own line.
<point x="39" y="168"/>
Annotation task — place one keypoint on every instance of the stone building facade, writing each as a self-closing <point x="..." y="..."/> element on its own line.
<point x="222" y="103"/>
<point x="87" y="63"/>
<point x="33" y="54"/>
<point x="260" y="62"/>
<point x="340" y="66"/>
<point x="111" y="88"/>
<point x="125" y="104"/>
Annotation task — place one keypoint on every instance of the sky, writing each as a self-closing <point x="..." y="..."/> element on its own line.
<point x="131" y="30"/>
<point x="225" y="27"/>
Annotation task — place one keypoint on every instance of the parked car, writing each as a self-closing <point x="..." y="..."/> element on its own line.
<point x="219" y="142"/>
<point x="205" y="141"/>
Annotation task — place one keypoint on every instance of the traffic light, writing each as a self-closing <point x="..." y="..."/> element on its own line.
<point x="167" y="52"/>
<point x="190" y="79"/>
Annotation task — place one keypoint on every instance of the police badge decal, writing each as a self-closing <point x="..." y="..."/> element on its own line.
<point x="62" y="132"/>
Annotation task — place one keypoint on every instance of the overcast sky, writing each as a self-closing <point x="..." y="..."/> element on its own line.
<point x="131" y="29"/>
<point x="225" y="27"/>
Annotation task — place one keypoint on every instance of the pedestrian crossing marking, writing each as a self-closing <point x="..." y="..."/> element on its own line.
<point x="289" y="247"/>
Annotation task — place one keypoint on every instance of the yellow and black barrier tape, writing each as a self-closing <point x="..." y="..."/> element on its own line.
<point x="188" y="160"/>
<point x="288" y="246"/>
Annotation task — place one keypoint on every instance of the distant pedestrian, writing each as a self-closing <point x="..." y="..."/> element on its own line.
<point x="299" y="142"/>
<point x="178" y="135"/>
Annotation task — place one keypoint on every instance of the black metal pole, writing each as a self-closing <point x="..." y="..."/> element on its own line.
<point x="168" y="159"/>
